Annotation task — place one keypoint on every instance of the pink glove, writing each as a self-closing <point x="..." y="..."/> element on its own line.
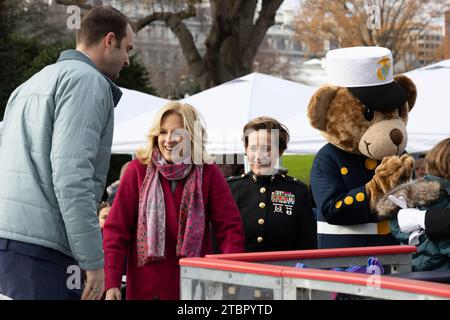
<point x="411" y="219"/>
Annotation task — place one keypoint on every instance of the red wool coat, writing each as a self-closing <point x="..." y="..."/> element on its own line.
<point x="161" y="280"/>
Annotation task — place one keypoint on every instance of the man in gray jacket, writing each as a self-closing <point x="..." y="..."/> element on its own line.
<point x="55" y="147"/>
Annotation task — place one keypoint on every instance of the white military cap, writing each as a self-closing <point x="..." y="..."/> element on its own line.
<point x="368" y="74"/>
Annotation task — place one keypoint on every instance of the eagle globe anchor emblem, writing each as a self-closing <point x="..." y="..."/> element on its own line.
<point x="384" y="67"/>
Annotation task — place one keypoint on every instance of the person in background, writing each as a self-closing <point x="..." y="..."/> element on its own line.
<point x="419" y="167"/>
<point x="165" y="201"/>
<point x="105" y="206"/>
<point x="275" y="207"/>
<point x="55" y="148"/>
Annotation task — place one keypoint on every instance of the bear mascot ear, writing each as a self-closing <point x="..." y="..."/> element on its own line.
<point x="318" y="106"/>
<point x="409" y="87"/>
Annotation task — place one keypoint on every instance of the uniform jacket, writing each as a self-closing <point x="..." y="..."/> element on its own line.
<point x="276" y="212"/>
<point x="344" y="217"/>
<point x="430" y="255"/>
<point x="161" y="280"/>
<point x="55" y="147"/>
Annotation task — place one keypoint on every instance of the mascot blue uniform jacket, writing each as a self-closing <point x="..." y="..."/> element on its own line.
<point x="362" y="111"/>
<point x="338" y="181"/>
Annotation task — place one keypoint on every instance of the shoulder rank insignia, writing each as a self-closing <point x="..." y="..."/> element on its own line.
<point x="234" y="178"/>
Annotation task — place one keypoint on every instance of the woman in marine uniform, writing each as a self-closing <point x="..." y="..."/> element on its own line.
<point x="275" y="208"/>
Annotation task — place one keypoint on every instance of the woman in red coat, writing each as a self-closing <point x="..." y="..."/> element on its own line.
<point x="163" y="207"/>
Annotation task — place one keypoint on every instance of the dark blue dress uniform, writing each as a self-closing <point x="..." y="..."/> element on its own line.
<point x="276" y="212"/>
<point x="344" y="217"/>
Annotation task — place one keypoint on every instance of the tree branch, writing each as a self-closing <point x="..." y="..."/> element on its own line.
<point x="164" y="16"/>
<point x="80" y="3"/>
<point x="265" y="20"/>
<point x="190" y="51"/>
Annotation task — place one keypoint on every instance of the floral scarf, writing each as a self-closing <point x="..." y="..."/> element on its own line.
<point x="151" y="228"/>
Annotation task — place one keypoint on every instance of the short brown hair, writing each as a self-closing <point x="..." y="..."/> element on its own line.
<point x="98" y="22"/>
<point x="437" y="161"/>
<point x="267" y="123"/>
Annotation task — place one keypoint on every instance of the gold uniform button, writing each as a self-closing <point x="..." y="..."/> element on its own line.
<point x="360" y="197"/>
<point x="370" y="164"/>
<point x="348" y="200"/>
<point x="262" y="205"/>
<point x="338" y="204"/>
<point x="261" y="221"/>
<point x="259" y="239"/>
<point x="344" y="171"/>
<point x="262" y="190"/>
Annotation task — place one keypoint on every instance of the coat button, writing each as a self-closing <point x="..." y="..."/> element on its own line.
<point x="262" y="190"/>
<point x="261" y="221"/>
<point x="262" y="205"/>
<point x="260" y="239"/>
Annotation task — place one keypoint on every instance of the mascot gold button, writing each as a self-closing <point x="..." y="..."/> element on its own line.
<point x="261" y="221"/>
<point x="262" y="205"/>
<point x="344" y="171"/>
<point x="370" y="164"/>
<point x="338" y="204"/>
<point x="260" y="239"/>
<point x="262" y="190"/>
<point x="360" y="197"/>
<point x="348" y="200"/>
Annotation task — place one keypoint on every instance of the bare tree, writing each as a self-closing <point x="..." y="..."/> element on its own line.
<point x="237" y="30"/>
<point x="395" y="24"/>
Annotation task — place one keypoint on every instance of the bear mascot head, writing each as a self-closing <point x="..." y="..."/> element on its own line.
<point x="363" y="110"/>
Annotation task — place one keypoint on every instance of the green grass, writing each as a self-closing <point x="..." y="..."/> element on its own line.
<point x="299" y="166"/>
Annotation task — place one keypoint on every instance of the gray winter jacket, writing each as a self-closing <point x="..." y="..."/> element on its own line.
<point x="55" y="147"/>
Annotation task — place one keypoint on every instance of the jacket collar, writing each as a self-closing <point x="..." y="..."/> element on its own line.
<point x="261" y="180"/>
<point x="72" y="54"/>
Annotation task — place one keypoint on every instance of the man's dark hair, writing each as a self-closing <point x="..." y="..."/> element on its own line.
<point x="98" y="22"/>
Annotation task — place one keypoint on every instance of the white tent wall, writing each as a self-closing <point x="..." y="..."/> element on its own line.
<point x="226" y="108"/>
<point x="429" y="120"/>
<point x="139" y="108"/>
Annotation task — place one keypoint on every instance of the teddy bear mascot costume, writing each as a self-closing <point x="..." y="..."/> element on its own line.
<point x="362" y="111"/>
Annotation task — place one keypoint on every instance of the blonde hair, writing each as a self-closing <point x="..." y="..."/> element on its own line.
<point x="437" y="160"/>
<point x="192" y="121"/>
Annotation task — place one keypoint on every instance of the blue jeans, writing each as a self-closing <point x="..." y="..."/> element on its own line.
<point x="32" y="272"/>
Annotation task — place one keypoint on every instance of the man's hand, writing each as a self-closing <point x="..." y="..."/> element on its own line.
<point x="95" y="285"/>
<point x="411" y="219"/>
<point x="113" y="294"/>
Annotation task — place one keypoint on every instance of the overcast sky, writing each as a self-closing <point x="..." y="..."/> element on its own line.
<point x="292" y="4"/>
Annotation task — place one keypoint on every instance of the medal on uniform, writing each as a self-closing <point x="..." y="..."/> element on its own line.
<point x="282" y="199"/>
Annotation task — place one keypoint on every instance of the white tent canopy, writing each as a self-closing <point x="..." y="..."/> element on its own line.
<point x="134" y="103"/>
<point x="131" y="107"/>
<point x="429" y="119"/>
<point x="226" y="109"/>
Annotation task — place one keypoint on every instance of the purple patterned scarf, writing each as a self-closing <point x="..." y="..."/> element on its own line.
<point x="151" y="228"/>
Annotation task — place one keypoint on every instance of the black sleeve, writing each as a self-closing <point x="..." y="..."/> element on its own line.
<point x="437" y="223"/>
<point x="307" y="224"/>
